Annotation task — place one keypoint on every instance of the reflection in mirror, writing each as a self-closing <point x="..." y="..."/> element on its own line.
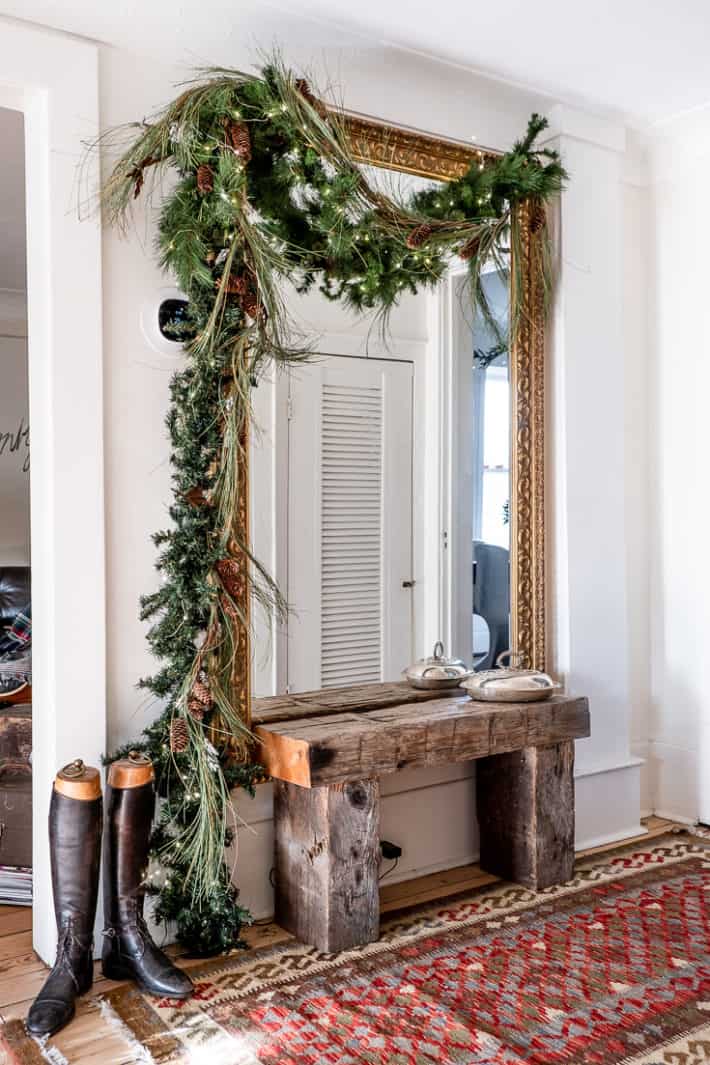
<point x="479" y="441"/>
<point x="491" y="477"/>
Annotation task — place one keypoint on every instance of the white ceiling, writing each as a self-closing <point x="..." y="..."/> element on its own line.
<point x="644" y="59"/>
<point x="12" y="201"/>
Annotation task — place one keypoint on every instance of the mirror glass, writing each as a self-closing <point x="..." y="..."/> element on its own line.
<point x="490" y="454"/>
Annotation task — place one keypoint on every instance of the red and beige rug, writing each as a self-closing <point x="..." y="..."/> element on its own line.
<point x="611" y="968"/>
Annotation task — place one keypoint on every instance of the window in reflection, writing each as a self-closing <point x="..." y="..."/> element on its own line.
<point x="491" y="478"/>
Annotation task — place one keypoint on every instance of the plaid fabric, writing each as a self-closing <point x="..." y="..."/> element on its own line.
<point x="16" y="652"/>
<point x="18" y="637"/>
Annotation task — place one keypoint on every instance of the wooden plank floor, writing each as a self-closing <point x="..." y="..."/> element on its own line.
<point x="90" y="1040"/>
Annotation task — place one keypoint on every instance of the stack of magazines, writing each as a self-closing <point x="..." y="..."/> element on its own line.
<point x="15" y="885"/>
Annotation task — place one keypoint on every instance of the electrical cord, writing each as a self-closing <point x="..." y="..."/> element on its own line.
<point x="390" y="870"/>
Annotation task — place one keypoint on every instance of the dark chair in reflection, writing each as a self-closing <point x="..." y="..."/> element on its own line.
<point x="491" y="597"/>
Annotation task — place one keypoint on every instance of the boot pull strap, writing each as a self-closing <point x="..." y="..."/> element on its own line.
<point x="78" y="781"/>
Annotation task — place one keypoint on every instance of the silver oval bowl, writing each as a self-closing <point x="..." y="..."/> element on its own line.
<point x="510" y="684"/>
<point x="437" y="672"/>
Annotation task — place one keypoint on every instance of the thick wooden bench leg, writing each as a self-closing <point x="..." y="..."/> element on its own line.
<point x="327" y="858"/>
<point x="525" y="805"/>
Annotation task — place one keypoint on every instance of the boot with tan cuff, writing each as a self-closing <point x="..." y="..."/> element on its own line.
<point x="75" y="822"/>
<point x="129" y="952"/>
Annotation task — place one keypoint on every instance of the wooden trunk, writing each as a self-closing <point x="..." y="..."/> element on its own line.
<point x="525" y="804"/>
<point x="16" y="818"/>
<point x="15" y="733"/>
<point x="327" y="858"/>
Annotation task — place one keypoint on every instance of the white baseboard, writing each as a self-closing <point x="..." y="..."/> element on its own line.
<point x="680" y="819"/>
<point x="610" y="837"/>
<point x="398" y="877"/>
<point x="680" y="787"/>
<point x="608" y="804"/>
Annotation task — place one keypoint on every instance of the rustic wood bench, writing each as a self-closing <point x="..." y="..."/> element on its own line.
<point x="326" y="751"/>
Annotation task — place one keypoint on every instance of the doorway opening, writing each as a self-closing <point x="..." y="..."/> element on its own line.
<point x="15" y="567"/>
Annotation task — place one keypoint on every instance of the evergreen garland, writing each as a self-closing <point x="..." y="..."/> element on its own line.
<point x="266" y="189"/>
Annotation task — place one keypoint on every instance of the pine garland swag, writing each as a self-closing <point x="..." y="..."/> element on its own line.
<point x="266" y="189"/>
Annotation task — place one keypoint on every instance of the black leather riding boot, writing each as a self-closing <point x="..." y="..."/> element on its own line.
<point x="129" y="952"/>
<point x="75" y="821"/>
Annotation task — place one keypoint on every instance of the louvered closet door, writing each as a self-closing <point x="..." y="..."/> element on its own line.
<point x="350" y="522"/>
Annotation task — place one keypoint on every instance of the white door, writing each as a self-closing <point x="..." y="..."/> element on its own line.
<point x="349" y="522"/>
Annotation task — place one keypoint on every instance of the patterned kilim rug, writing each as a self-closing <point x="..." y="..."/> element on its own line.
<point x="613" y="967"/>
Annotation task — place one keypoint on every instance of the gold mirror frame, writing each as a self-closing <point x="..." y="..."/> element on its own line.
<point x="377" y="144"/>
<point x="410" y="152"/>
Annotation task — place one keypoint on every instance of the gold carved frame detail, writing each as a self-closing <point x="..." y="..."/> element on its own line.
<point x="377" y="144"/>
<point x="411" y="152"/>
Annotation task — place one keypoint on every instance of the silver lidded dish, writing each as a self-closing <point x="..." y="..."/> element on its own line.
<point x="438" y="671"/>
<point x="510" y="684"/>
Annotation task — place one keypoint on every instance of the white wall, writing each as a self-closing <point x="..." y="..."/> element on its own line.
<point x="136" y="383"/>
<point x="602" y="430"/>
<point x="14" y="453"/>
<point x="680" y="440"/>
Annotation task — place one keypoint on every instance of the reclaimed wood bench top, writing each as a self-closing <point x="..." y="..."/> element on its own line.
<point x="353" y="698"/>
<point x="343" y="734"/>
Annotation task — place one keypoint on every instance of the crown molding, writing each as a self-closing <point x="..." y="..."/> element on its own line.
<point x="580" y="125"/>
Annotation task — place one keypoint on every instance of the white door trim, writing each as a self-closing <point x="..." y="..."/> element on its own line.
<point x="454" y="482"/>
<point x="53" y="79"/>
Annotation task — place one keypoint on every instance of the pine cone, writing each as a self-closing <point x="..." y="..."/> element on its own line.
<point x="231" y="576"/>
<point x="201" y="692"/>
<point x="469" y="249"/>
<point x="419" y="236"/>
<point x="179" y="735"/>
<point x="252" y="305"/>
<point x="234" y="284"/>
<point x="197" y="498"/>
<point x="228" y="607"/>
<point x="239" y="140"/>
<point x="196" y="710"/>
<point x="138" y="173"/>
<point x="538" y="217"/>
<point x="306" y="92"/>
<point x="205" y="178"/>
